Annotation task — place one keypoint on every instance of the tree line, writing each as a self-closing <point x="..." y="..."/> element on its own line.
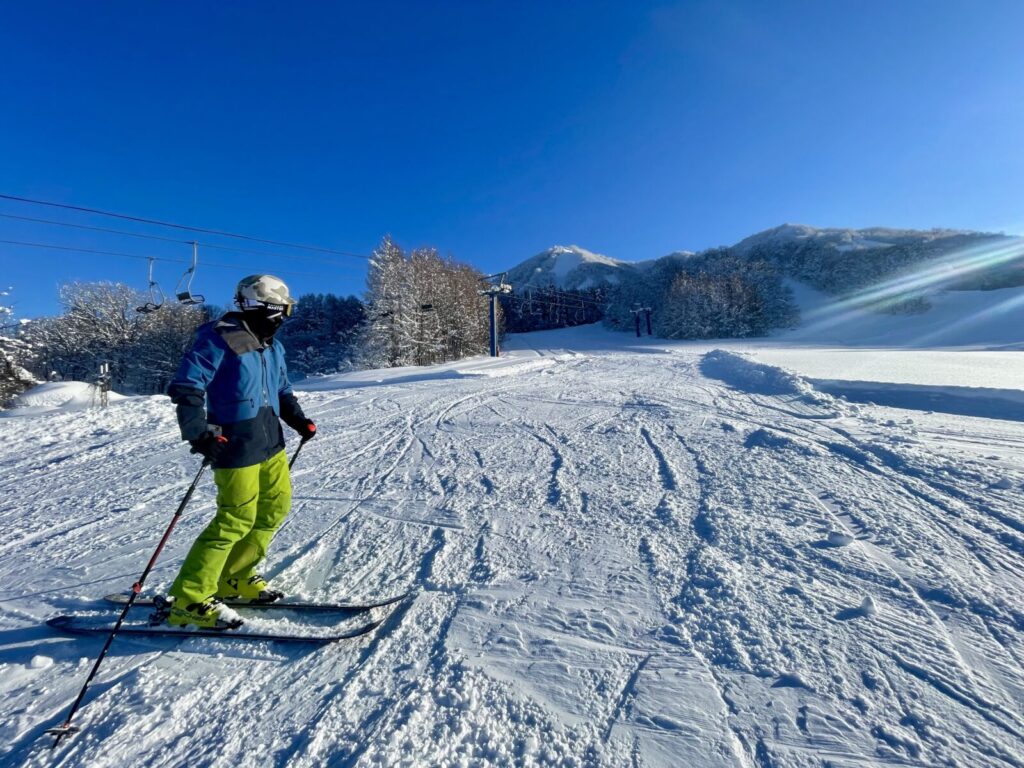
<point x="419" y="308"/>
<point x="545" y="308"/>
<point x="714" y="294"/>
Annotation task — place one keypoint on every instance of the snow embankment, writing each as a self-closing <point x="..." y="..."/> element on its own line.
<point x="469" y="368"/>
<point x="58" y="396"/>
<point x="742" y="372"/>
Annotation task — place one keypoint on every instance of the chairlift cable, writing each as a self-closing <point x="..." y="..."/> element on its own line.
<point x="161" y="238"/>
<point x="185" y="227"/>
<point x="168" y="260"/>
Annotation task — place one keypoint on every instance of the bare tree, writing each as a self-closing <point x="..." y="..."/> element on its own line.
<point x="101" y="325"/>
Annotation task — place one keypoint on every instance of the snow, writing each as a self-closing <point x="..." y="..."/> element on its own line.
<point x="623" y="552"/>
<point x="961" y="356"/>
<point x="566" y="267"/>
<point x="58" y="396"/>
<point x="843" y="239"/>
<point x="956" y="320"/>
<point x="860" y="244"/>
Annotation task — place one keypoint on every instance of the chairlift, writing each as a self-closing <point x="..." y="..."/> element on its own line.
<point x="185" y="295"/>
<point x="536" y="310"/>
<point x="156" y="295"/>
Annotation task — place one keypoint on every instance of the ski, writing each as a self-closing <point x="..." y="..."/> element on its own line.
<point x="343" y="608"/>
<point x="78" y="625"/>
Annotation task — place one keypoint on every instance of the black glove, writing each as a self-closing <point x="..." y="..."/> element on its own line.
<point x="210" y="445"/>
<point x="307" y="429"/>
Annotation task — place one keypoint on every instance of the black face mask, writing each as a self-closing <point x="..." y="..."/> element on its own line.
<point x="261" y="323"/>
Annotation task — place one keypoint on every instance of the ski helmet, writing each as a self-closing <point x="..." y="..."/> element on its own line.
<point x="264" y="292"/>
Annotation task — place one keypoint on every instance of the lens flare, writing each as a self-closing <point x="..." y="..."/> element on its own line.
<point x="931" y="276"/>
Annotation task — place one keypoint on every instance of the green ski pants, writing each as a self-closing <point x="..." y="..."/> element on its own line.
<point x="252" y="502"/>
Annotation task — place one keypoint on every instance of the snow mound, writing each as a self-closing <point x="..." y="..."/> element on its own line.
<point x="58" y="396"/>
<point x="741" y="372"/>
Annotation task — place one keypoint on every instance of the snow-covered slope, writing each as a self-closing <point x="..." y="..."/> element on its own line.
<point x="845" y="239"/>
<point x="956" y="319"/>
<point x="623" y="552"/>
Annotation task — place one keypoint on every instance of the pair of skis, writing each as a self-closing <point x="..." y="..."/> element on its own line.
<point x="82" y="625"/>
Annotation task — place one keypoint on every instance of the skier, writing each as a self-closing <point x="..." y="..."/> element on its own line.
<point x="231" y="392"/>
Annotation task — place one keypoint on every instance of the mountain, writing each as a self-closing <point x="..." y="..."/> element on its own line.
<point x="567" y="267"/>
<point x="919" y="262"/>
<point x="818" y="256"/>
<point x="845" y="240"/>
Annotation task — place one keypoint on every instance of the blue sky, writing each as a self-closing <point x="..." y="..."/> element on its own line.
<point x="493" y="130"/>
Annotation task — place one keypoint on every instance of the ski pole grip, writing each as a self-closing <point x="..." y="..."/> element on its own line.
<point x="136" y="587"/>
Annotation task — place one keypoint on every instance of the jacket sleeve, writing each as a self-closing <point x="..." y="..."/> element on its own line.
<point x="188" y="388"/>
<point x="291" y="411"/>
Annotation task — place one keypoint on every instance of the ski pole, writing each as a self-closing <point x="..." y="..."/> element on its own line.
<point x="67" y="729"/>
<point x="297" y="452"/>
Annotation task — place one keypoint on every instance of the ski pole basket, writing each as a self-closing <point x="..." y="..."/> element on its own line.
<point x="183" y="291"/>
<point x="156" y="295"/>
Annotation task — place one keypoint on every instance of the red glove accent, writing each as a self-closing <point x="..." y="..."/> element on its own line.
<point x="308" y="430"/>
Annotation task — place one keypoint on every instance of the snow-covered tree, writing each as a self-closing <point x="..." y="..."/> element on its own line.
<point x="716" y="294"/>
<point x="14" y="355"/>
<point x="421" y="309"/>
<point x="100" y="324"/>
<point x="321" y="336"/>
<point x="546" y="307"/>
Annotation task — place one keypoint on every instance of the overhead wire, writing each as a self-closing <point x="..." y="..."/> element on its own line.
<point x="568" y="293"/>
<point x="75" y="249"/>
<point x="523" y="301"/>
<point x="185" y="227"/>
<point x="148" y="236"/>
<point x="565" y="296"/>
<point x="548" y="292"/>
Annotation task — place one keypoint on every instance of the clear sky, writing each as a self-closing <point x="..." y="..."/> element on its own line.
<point x="494" y="129"/>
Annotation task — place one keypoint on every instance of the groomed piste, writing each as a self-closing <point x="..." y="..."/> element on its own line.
<point x="622" y="552"/>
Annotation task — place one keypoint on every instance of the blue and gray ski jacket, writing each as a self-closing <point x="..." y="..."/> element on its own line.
<point x="239" y="382"/>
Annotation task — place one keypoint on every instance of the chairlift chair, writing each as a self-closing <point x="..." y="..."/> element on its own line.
<point x="534" y="310"/>
<point x="185" y="295"/>
<point x="156" y="295"/>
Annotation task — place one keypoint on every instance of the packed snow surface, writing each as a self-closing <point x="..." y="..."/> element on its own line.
<point x="622" y="552"/>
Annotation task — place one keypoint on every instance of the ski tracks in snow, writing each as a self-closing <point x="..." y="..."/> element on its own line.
<point x="614" y="560"/>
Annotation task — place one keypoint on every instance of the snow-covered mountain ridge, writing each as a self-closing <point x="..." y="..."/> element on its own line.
<point x="572" y="267"/>
<point x="569" y="267"/>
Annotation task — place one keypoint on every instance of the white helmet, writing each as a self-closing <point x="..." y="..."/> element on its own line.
<point x="264" y="292"/>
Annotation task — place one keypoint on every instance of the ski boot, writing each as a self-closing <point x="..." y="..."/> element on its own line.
<point x="211" y="613"/>
<point x="254" y="589"/>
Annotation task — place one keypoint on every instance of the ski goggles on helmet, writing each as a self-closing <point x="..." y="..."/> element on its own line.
<point x="272" y="310"/>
